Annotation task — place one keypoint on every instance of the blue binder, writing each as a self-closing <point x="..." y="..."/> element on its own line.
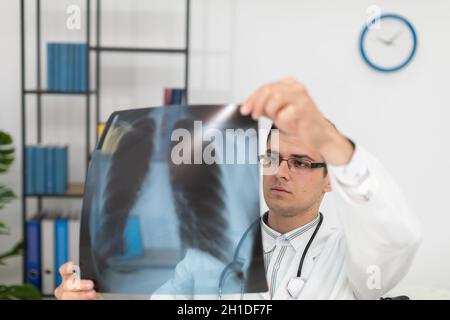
<point x="29" y="172"/>
<point x="33" y="253"/>
<point x="49" y="170"/>
<point x="60" y="167"/>
<point x="70" y="67"/>
<point x="57" y="68"/>
<point x="61" y="247"/>
<point x="77" y="61"/>
<point x="64" y="67"/>
<point x="50" y="66"/>
<point x="65" y="167"/>
<point x="82" y="67"/>
<point x="39" y="169"/>
<point x="178" y="96"/>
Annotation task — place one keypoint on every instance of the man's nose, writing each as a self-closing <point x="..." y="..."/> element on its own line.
<point x="283" y="170"/>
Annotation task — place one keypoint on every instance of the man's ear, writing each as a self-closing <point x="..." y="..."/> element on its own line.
<point x="327" y="184"/>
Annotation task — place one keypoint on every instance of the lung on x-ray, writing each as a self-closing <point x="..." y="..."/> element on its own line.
<point x="171" y="204"/>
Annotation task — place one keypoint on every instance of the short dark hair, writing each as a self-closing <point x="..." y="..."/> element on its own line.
<point x="274" y="127"/>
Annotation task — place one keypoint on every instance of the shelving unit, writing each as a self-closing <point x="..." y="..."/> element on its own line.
<point x="76" y="190"/>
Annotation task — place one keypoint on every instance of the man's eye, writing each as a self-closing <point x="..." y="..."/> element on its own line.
<point x="300" y="164"/>
<point x="268" y="160"/>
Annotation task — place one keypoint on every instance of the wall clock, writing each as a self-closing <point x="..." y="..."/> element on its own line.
<point x="389" y="44"/>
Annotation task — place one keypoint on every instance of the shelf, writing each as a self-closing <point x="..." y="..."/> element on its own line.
<point x="75" y="190"/>
<point x="59" y="92"/>
<point x="93" y="69"/>
<point x="135" y="49"/>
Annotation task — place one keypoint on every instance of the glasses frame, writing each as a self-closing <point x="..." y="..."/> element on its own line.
<point x="313" y="165"/>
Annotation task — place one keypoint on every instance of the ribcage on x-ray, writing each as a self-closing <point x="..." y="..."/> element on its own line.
<point x="129" y="163"/>
<point x="198" y="193"/>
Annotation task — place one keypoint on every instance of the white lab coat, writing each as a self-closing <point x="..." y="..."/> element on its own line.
<point x="364" y="259"/>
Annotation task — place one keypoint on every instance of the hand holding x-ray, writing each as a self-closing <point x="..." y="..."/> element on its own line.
<point x="293" y="111"/>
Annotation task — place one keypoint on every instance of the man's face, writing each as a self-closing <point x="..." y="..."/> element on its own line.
<point x="288" y="192"/>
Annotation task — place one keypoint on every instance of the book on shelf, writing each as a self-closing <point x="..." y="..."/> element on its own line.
<point x="46" y="169"/>
<point x="100" y="128"/>
<point x="174" y="96"/>
<point x="52" y="240"/>
<point x="66" y="67"/>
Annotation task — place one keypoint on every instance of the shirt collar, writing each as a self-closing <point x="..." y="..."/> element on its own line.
<point x="293" y="237"/>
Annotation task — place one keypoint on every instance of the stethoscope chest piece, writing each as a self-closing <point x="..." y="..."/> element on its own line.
<point x="295" y="285"/>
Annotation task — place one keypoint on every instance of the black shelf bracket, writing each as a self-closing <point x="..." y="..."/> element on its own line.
<point x="59" y="92"/>
<point x="135" y="49"/>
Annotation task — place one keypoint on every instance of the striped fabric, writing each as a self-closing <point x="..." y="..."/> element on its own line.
<point x="280" y="249"/>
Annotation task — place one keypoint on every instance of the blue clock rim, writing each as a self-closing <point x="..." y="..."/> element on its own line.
<point x="364" y="32"/>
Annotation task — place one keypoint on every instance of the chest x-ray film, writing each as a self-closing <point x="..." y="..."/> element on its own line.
<point x="171" y="204"/>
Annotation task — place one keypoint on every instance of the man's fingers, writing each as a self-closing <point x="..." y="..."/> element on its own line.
<point x="79" y="290"/>
<point x="245" y="107"/>
<point x="270" y="99"/>
<point x="66" y="270"/>
<point x="256" y="99"/>
<point x="260" y="100"/>
<point x="285" y="115"/>
<point x="75" y="284"/>
<point x="256" y="104"/>
<point x="82" y="295"/>
<point x="274" y="105"/>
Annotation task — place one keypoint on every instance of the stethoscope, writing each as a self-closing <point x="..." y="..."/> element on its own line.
<point x="294" y="286"/>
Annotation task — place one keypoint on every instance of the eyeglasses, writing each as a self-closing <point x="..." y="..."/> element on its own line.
<point x="295" y="164"/>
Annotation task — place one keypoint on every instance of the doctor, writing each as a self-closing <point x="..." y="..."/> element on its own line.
<point x="304" y="258"/>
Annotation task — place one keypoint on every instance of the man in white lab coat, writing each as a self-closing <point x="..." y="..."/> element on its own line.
<point x="363" y="260"/>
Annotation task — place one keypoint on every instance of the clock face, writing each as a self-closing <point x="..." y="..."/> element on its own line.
<point x="388" y="45"/>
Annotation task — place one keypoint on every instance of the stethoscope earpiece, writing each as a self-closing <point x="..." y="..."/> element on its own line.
<point x="295" y="285"/>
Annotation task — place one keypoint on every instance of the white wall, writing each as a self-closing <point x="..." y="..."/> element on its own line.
<point x="241" y="44"/>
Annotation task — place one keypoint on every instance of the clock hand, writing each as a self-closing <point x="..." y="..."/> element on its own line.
<point x="391" y="40"/>
<point x="383" y="41"/>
